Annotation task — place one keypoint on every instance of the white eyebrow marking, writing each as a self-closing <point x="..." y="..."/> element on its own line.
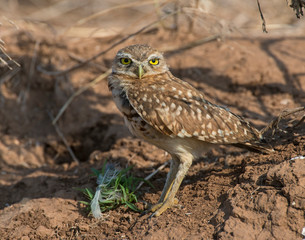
<point x="152" y="56"/>
<point x="124" y="55"/>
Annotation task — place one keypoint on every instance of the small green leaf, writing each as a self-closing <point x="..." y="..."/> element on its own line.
<point x="86" y="203"/>
<point x="124" y="192"/>
<point x="89" y="193"/>
<point x="133" y="207"/>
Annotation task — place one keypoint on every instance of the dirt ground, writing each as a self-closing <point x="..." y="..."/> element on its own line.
<point x="228" y="193"/>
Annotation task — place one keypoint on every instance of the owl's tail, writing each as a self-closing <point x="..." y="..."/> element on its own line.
<point x="261" y="146"/>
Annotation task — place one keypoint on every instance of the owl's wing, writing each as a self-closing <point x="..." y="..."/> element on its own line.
<point x="177" y="109"/>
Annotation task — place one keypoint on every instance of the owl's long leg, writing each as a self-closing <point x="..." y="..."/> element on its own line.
<point x="168" y="184"/>
<point x="170" y="178"/>
<point x="185" y="161"/>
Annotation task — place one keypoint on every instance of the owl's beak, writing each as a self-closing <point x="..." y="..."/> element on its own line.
<point x="140" y="71"/>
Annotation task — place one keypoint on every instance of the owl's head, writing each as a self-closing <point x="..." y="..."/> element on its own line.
<point x="139" y="61"/>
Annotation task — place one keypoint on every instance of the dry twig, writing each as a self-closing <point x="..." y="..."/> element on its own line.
<point x="274" y="124"/>
<point x="79" y="59"/>
<point x="61" y="135"/>
<point x="152" y="174"/>
<point x="57" y="9"/>
<point x="9" y="75"/>
<point x="4" y="62"/>
<point x="172" y="50"/>
<point x="262" y="17"/>
<point x="100" y="13"/>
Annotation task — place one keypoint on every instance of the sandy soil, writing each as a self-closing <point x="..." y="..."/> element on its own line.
<point x="228" y="193"/>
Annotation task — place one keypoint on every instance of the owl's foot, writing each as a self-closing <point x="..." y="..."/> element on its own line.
<point x="159" y="208"/>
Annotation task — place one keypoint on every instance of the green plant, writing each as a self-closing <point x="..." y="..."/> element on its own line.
<point x="115" y="187"/>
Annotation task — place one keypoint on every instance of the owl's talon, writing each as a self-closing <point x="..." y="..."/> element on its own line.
<point x="155" y="207"/>
<point x="151" y="216"/>
<point x="159" y="208"/>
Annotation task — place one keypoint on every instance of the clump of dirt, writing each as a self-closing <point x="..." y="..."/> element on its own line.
<point x="274" y="209"/>
<point x="227" y="194"/>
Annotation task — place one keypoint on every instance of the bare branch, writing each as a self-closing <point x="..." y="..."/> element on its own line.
<point x="262" y="17"/>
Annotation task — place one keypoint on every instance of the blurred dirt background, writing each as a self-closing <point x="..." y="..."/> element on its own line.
<point x="218" y="46"/>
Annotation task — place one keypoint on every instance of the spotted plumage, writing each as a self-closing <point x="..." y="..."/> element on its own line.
<point x="172" y="115"/>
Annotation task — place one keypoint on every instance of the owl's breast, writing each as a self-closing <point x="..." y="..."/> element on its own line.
<point x="123" y="103"/>
<point x="120" y="97"/>
<point x="139" y="128"/>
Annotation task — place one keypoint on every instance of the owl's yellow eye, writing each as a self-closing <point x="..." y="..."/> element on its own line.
<point x="125" y="61"/>
<point x="154" y="61"/>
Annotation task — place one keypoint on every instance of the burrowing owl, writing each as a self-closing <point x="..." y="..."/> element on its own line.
<point x="172" y="115"/>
